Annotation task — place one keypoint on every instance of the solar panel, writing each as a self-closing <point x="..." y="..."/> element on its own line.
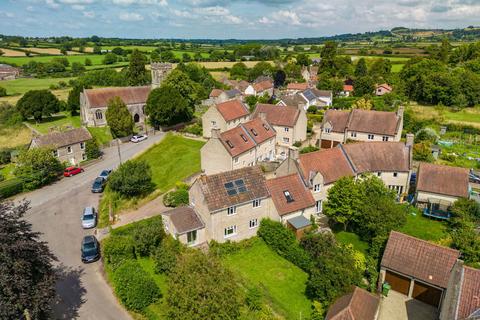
<point x="235" y="187"/>
<point x="239" y="182"/>
<point x="231" y="192"/>
<point x="242" y="189"/>
<point x="229" y="185"/>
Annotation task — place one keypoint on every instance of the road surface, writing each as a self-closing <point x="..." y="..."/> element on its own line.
<point x="55" y="212"/>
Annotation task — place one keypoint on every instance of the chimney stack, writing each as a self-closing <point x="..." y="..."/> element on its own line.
<point x="215" y="133"/>
<point x="400" y="111"/>
<point x="410" y="139"/>
<point x="294" y="153"/>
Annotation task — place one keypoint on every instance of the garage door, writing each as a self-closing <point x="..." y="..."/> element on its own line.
<point x="397" y="282"/>
<point x="326" y="144"/>
<point x="427" y="294"/>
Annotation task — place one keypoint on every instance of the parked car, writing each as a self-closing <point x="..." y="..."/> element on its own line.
<point x="98" y="185"/>
<point x="104" y="174"/>
<point x="89" y="218"/>
<point x="90" y="249"/>
<point x="71" y="171"/>
<point x="138" y="138"/>
<point x="473" y="177"/>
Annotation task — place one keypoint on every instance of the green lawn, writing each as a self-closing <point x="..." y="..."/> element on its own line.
<point x="397" y="67"/>
<point x="172" y="160"/>
<point x="425" y="228"/>
<point x="282" y="283"/>
<point x="59" y="121"/>
<point x="345" y="237"/>
<point x="7" y="171"/>
<point x="96" y="59"/>
<point x="22" y="85"/>
<point x="101" y="134"/>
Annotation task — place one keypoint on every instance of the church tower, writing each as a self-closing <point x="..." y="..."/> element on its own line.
<point x="159" y="72"/>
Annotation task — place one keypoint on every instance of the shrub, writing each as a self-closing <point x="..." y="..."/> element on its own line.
<point x="132" y="178"/>
<point x="5" y="156"/>
<point x="117" y="249"/>
<point x="134" y="287"/>
<point x="195" y="129"/>
<point x="165" y="255"/>
<point x="176" y="198"/>
<point x="309" y="149"/>
<point x="148" y="237"/>
<point x="92" y="150"/>
<point x="10" y="187"/>
<point x="37" y="167"/>
<point x="3" y="92"/>
<point x="297" y="144"/>
<point x="283" y="241"/>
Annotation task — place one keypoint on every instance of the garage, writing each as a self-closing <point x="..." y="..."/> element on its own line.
<point x="427" y="294"/>
<point x="398" y="282"/>
<point x="327" y="144"/>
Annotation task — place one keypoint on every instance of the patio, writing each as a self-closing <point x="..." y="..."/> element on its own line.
<point x="399" y="307"/>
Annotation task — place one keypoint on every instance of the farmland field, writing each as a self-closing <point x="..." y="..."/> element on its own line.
<point x="11" y="53"/>
<point x="467" y="116"/>
<point x="22" y="85"/>
<point x="53" y="51"/>
<point x="20" y="61"/>
<point x="13" y="137"/>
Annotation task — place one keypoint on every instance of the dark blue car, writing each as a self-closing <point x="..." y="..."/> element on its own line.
<point x="98" y="185"/>
<point x="90" y="249"/>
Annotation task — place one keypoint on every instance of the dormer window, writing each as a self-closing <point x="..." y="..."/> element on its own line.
<point x="254" y="132"/>
<point x="229" y="143"/>
<point x="327" y="130"/>
<point x="266" y="127"/>
<point x="244" y="138"/>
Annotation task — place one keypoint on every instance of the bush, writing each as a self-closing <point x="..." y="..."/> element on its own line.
<point x="92" y="150"/>
<point x="5" y="156"/>
<point x="283" y="242"/>
<point x="309" y="149"/>
<point x="134" y="287"/>
<point x="132" y="178"/>
<point x="10" y="188"/>
<point x="37" y="167"/>
<point x="176" y="198"/>
<point x="148" y="237"/>
<point x="165" y="255"/>
<point x="195" y="129"/>
<point x="3" y="92"/>
<point x="297" y="144"/>
<point x="117" y="249"/>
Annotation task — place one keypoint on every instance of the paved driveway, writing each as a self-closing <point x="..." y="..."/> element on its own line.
<point x="399" y="307"/>
<point x="56" y="211"/>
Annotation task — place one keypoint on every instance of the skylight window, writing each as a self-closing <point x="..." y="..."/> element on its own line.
<point x="235" y="187"/>
<point x="230" y="144"/>
<point x="243" y="137"/>
<point x="266" y="127"/>
<point x="288" y="196"/>
<point x="254" y="132"/>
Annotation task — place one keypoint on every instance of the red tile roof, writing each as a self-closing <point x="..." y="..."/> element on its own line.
<point x="215" y="193"/>
<point x="331" y="163"/>
<point x="385" y="86"/>
<point x="469" y="301"/>
<point x="215" y="93"/>
<point x="357" y="305"/>
<point x="419" y="259"/>
<point x="297" y="86"/>
<point x="284" y="116"/>
<point x="347" y="87"/>
<point x="246" y="136"/>
<point x="440" y="179"/>
<point x="98" y="98"/>
<point x="302" y="197"/>
<point x="263" y="85"/>
<point x="378" y="156"/>
<point x="370" y="121"/>
<point x="232" y="109"/>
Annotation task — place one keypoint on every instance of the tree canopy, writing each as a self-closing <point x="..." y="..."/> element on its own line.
<point x="119" y="118"/>
<point x="38" y="104"/>
<point x="166" y="106"/>
<point x="132" y="178"/>
<point x="136" y="73"/>
<point x="37" y="167"/>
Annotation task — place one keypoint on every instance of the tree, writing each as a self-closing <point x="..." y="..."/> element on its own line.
<point x="38" y="104"/>
<point x="239" y="71"/>
<point x="361" y="68"/>
<point x="328" y="55"/>
<point x="154" y="56"/>
<point x="132" y="178"/>
<point x="303" y="60"/>
<point x="251" y="102"/>
<point x="92" y="151"/>
<point x="73" y="100"/>
<point x="165" y="107"/>
<point x="343" y="201"/>
<point x="110" y="58"/>
<point x="364" y="86"/>
<point x="37" y="167"/>
<point x="363" y="104"/>
<point x="260" y="69"/>
<point x="279" y="78"/>
<point x="200" y="287"/>
<point x="88" y="62"/>
<point x="166" y="254"/>
<point x="119" y="51"/>
<point x="77" y="67"/>
<point x="119" y="118"/>
<point x="136" y="73"/>
<point x="27" y="277"/>
<point x="188" y="89"/>
<point x="3" y="92"/>
<point x="97" y="49"/>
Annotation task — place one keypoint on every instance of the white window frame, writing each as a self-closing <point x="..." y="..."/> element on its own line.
<point x="353" y="134"/>
<point x="257" y="203"/>
<point x="385" y="138"/>
<point x="318" y="206"/>
<point x="379" y="174"/>
<point x="253" y="223"/>
<point x="231" y="210"/>
<point x="371" y="137"/>
<point x="226" y="233"/>
<point x="98" y="115"/>
<point x="82" y="145"/>
<point x="69" y="150"/>
<point x="214" y="123"/>
<point x="326" y="130"/>
<point x="286" y="129"/>
<point x="235" y="159"/>
<point x="317" y="188"/>
<point x="84" y="156"/>
<point x="286" y="140"/>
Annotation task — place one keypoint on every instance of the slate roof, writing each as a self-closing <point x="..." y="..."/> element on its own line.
<point x="368" y="121"/>
<point x="98" y="98"/>
<point x="469" y="302"/>
<point x="378" y="156"/>
<point x="284" y="116"/>
<point x="295" y="100"/>
<point x="301" y="197"/>
<point x="445" y="180"/>
<point x="232" y="93"/>
<point x="232" y="109"/>
<point x="420" y="259"/>
<point x="331" y="163"/>
<point x="63" y="138"/>
<point x="185" y="219"/>
<point x="215" y="193"/>
<point x="357" y="305"/>
<point x="297" y="86"/>
<point x="299" y="222"/>
<point x="337" y="118"/>
<point x="263" y="85"/>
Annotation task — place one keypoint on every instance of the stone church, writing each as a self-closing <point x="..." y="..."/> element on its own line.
<point x="93" y="102"/>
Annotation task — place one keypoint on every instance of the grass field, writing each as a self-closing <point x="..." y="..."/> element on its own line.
<point x="13" y="137"/>
<point x="173" y="159"/>
<point x="468" y="116"/>
<point x="20" y="61"/>
<point x="397" y="67"/>
<point x="101" y="134"/>
<point x="282" y="283"/>
<point x="155" y="310"/>
<point x="22" y="85"/>
<point x="424" y="228"/>
<point x="346" y="238"/>
<point x="60" y="121"/>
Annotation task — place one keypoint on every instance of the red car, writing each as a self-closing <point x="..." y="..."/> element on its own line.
<point x="71" y="171"/>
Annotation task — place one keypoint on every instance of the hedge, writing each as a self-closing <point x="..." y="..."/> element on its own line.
<point x="134" y="287"/>
<point x="176" y="198"/>
<point x="10" y="187"/>
<point x="117" y="249"/>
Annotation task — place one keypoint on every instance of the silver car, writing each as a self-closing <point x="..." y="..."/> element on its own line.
<point x="89" y="218"/>
<point x="138" y="138"/>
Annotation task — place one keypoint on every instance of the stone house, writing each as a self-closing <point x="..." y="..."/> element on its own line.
<point x="185" y="225"/>
<point x="8" y="72"/>
<point x="245" y="145"/>
<point x="439" y="186"/>
<point x="310" y="75"/>
<point x="295" y="100"/>
<point x="340" y="126"/>
<point x="382" y="89"/>
<point x="260" y="88"/>
<point x="318" y="98"/>
<point x="290" y="124"/>
<point x="232" y="203"/>
<point x="224" y="116"/>
<point x="68" y="146"/>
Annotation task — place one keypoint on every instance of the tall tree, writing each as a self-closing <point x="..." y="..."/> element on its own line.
<point x="361" y="69"/>
<point x="37" y="167"/>
<point x="187" y="88"/>
<point x="73" y="100"/>
<point x="239" y="71"/>
<point x="38" y="104"/>
<point x="27" y="278"/>
<point x="343" y="201"/>
<point x="136" y="73"/>
<point x="328" y="55"/>
<point x="119" y="118"/>
<point x="200" y="287"/>
<point x="166" y="106"/>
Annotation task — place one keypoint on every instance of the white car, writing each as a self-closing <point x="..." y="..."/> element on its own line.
<point x="138" y="138"/>
<point x="89" y="218"/>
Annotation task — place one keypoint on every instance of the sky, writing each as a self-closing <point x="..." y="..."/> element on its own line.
<point x="228" y="19"/>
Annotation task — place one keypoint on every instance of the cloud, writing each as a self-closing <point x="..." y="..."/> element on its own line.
<point x="30" y="9"/>
<point x="218" y="14"/>
<point x="52" y="4"/>
<point x="288" y="17"/>
<point x="130" y="16"/>
<point x="6" y="14"/>
<point x="76" y="2"/>
<point x="78" y="7"/>
<point x="181" y="13"/>
<point x="162" y="3"/>
<point x="89" y="14"/>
